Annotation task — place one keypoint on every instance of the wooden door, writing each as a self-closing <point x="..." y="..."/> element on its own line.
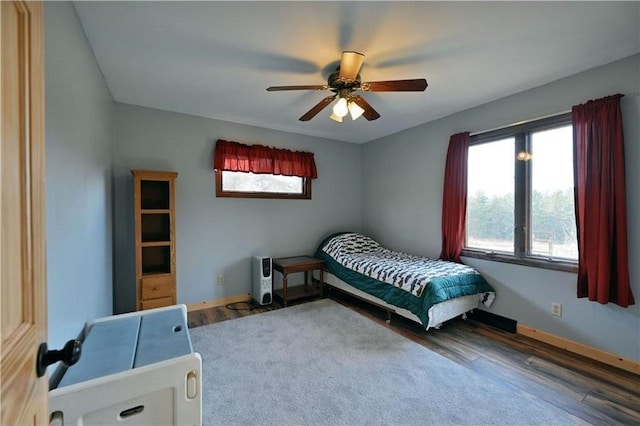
<point x="23" y="396"/>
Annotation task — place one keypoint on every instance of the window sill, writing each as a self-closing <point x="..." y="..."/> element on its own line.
<point x="556" y="265"/>
<point x="271" y="195"/>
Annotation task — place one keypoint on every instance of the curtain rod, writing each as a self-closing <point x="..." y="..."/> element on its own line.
<point x="519" y="123"/>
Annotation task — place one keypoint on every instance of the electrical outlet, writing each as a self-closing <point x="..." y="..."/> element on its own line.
<point x="556" y="309"/>
<point x="220" y="279"/>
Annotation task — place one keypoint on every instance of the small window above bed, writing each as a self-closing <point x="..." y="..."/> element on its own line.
<point x="256" y="171"/>
<point x="249" y="185"/>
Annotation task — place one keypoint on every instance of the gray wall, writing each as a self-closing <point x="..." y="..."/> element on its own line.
<point x="219" y="235"/>
<point x="79" y="157"/>
<point x="390" y="188"/>
<point x="402" y="201"/>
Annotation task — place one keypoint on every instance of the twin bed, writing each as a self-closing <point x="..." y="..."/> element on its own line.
<point x="425" y="290"/>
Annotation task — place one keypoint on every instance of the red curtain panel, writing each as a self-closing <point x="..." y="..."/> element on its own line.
<point x="600" y="200"/>
<point x="454" y="197"/>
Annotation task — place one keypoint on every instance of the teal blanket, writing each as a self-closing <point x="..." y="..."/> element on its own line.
<point x="411" y="282"/>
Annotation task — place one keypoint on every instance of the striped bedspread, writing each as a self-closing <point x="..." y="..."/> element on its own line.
<point x="408" y="272"/>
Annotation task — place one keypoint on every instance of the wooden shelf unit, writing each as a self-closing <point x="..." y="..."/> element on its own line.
<point x="154" y="207"/>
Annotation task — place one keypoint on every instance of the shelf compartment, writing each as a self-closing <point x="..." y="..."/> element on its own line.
<point x="298" y="292"/>
<point x="156" y="259"/>
<point x="155" y="194"/>
<point x="155" y="227"/>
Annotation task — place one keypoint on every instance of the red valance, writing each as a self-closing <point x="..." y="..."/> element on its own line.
<point x="237" y="157"/>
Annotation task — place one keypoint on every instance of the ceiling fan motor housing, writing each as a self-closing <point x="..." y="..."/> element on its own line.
<point x="336" y="83"/>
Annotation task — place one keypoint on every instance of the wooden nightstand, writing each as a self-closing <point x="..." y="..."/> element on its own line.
<point x="289" y="265"/>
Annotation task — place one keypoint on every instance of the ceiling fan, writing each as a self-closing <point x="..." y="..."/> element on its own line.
<point x="346" y="80"/>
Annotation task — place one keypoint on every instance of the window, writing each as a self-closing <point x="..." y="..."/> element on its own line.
<point x="250" y="185"/>
<point x="490" y="196"/>
<point x="257" y="171"/>
<point x="520" y="205"/>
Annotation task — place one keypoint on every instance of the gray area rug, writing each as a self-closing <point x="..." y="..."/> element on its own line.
<point x="320" y="363"/>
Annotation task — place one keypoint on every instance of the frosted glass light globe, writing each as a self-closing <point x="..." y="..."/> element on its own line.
<point x="340" y="108"/>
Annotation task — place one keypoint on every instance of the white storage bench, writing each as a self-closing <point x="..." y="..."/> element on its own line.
<point x="134" y="369"/>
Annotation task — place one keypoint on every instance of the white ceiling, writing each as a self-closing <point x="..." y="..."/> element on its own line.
<point x="215" y="59"/>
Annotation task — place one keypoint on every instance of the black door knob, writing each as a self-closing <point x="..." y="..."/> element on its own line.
<point x="69" y="355"/>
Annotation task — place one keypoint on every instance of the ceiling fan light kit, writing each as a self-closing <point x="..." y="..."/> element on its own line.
<point x="355" y="110"/>
<point x="346" y="80"/>
<point x="340" y="108"/>
<point x="335" y="117"/>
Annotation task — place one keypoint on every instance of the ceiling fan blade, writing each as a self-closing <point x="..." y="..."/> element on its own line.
<point x="350" y="65"/>
<point x="314" y="87"/>
<point x="317" y="108"/>
<point x="415" y="85"/>
<point x="369" y="113"/>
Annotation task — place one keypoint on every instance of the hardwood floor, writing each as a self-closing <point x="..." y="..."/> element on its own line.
<point x="594" y="393"/>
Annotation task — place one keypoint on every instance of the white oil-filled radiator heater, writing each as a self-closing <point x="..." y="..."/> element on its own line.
<point x="262" y="280"/>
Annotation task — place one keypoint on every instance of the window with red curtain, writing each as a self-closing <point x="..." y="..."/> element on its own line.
<point x="600" y="200"/>
<point x="257" y="171"/>
<point x="454" y="197"/>
<point x="520" y="203"/>
<point x="237" y="157"/>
